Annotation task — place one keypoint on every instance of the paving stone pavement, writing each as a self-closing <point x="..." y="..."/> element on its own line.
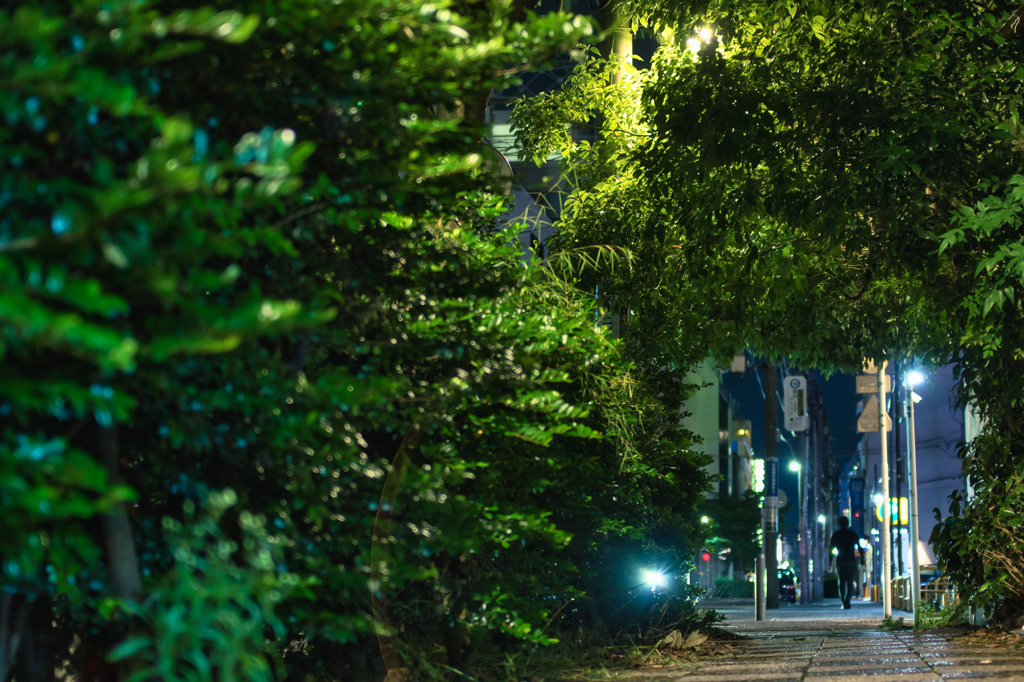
<point x="824" y="643"/>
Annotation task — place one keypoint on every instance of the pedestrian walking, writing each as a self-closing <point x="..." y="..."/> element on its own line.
<point x="843" y="548"/>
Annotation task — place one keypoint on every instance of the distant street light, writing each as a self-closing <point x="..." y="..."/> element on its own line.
<point x="794" y="466"/>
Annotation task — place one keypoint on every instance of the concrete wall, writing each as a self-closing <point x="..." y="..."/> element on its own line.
<point x="704" y="411"/>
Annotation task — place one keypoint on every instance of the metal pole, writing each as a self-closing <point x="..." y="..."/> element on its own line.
<point x="887" y="506"/>
<point x="897" y="461"/>
<point x="771" y="490"/>
<point x="805" y="595"/>
<point x="819" y="540"/>
<point x="915" y="561"/>
<point x="759" y="588"/>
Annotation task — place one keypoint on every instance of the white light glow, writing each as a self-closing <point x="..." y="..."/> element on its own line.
<point x="693" y="45"/>
<point x="705" y="519"/>
<point x="914" y="378"/>
<point x="705" y="34"/>
<point x="878" y="499"/>
<point x="654" y="579"/>
<point x="794" y="465"/>
<point x="821" y="518"/>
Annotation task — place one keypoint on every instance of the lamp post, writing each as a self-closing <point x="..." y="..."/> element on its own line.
<point x="912" y="379"/>
<point x="886" y="516"/>
<point x="794" y="466"/>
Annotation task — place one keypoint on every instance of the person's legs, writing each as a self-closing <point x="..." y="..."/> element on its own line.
<point x="847" y="576"/>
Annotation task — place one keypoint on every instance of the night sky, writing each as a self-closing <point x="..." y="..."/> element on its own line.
<point x="840" y="400"/>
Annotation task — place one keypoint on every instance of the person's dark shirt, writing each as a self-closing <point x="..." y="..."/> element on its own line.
<point x="846" y="541"/>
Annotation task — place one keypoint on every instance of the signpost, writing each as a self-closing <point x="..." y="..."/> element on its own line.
<point x="875" y="419"/>
<point x="794" y="401"/>
<point x="869" y="384"/>
<point x="868" y="420"/>
<point x="885" y="425"/>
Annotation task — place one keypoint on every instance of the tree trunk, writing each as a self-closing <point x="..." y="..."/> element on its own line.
<point x="122" y="561"/>
<point x="125" y="579"/>
<point x="14" y="612"/>
<point x="618" y="44"/>
<point x="37" y="656"/>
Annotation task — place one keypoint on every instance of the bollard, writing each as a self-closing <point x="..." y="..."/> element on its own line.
<point x="760" y="589"/>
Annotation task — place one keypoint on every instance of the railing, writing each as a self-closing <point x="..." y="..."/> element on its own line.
<point x="938" y="593"/>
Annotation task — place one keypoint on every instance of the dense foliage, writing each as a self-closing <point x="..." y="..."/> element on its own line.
<point x="827" y="182"/>
<point x="733" y="522"/>
<point x="251" y="279"/>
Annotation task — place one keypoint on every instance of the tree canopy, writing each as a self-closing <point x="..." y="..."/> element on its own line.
<point x="252" y="277"/>
<point x="826" y="182"/>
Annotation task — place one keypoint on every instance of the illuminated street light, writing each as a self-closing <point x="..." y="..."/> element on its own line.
<point x="821" y="519"/>
<point x="705" y="519"/>
<point x="703" y="37"/>
<point x="801" y="509"/>
<point x="654" y="579"/>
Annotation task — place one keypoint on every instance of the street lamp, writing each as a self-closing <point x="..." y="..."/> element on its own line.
<point x="703" y="37"/>
<point x="912" y="379"/>
<point x="794" y="466"/>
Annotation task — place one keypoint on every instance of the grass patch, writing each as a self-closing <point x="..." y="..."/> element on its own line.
<point x="890" y="624"/>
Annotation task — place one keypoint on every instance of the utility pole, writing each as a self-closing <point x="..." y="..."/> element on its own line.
<point x="897" y="460"/>
<point x="805" y="597"/>
<point x="887" y="507"/>
<point x="915" y="580"/>
<point x="771" y="489"/>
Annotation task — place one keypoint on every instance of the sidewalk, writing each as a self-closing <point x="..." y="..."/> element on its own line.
<point x="825" y="643"/>
<point x="828" y="615"/>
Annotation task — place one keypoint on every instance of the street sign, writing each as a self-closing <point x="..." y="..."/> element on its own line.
<point x="794" y="402"/>
<point x="867" y="422"/>
<point x="868" y="383"/>
<point x="771" y="495"/>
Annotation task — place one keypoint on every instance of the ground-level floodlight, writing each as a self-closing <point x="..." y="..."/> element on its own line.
<point x="654" y="579"/>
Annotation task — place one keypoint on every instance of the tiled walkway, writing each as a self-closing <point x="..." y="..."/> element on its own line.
<point x="823" y="643"/>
